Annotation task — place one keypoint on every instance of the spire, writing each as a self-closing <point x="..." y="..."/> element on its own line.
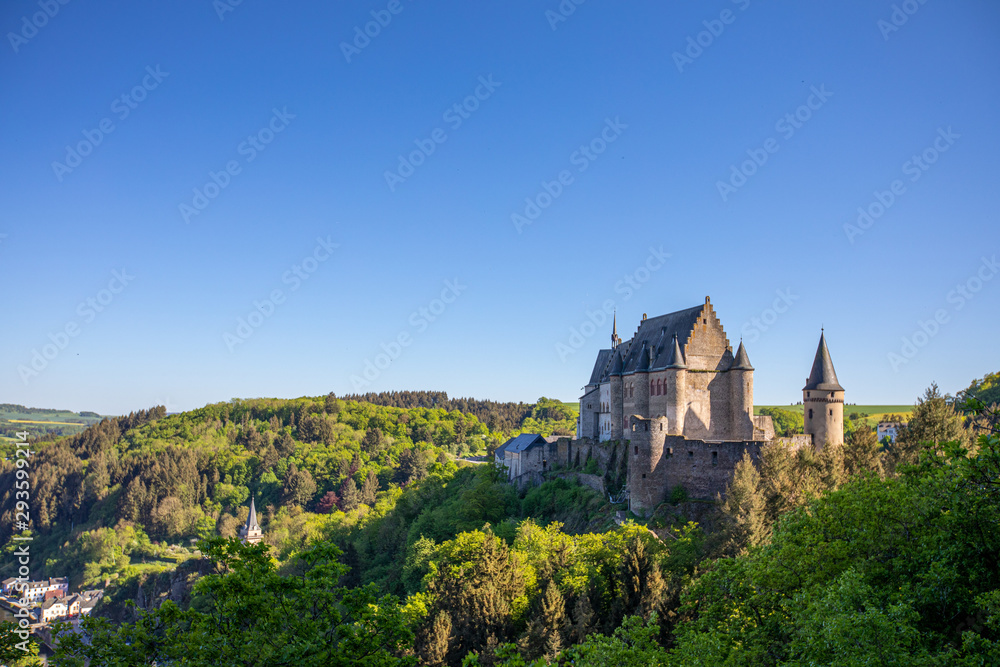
<point x="822" y="377"/>
<point x="614" y="330"/>
<point x="617" y="366"/>
<point x="742" y="361"/>
<point x="676" y="358"/>
<point x="252" y="518"/>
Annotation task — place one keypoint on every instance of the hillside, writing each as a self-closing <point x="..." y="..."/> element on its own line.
<point x="42" y="421"/>
<point x="108" y="503"/>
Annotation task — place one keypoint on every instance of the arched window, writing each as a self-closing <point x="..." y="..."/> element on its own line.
<point x="660" y="387"/>
<point x="652" y="388"/>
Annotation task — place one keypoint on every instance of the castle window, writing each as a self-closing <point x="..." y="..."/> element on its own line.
<point x="810" y="413"/>
<point x="661" y="426"/>
<point x="715" y="458"/>
<point x="647" y="423"/>
<point x="636" y="451"/>
<point x="644" y="475"/>
<point x="807" y="394"/>
<point x="831" y="413"/>
<point x="704" y="321"/>
<point x="670" y="451"/>
<point x="690" y="455"/>
<point x="544" y="463"/>
<point x="652" y="388"/>
<point x="633" y="427"/>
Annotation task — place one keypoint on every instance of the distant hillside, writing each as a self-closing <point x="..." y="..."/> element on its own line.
<point x="42" y="421"/>
<point x="107" y="501"/>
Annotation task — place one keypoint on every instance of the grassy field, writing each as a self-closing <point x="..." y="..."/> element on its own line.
<point x="41" y="421"/>
<point x="876" y="413"/>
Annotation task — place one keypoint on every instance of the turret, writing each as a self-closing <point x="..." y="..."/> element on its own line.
<point x="823" y="400"/>
<point x="676" y="386"/>
<point x="741" y="395"/>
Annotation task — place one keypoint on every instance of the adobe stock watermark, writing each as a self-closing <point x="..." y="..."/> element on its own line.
<point x="87" y="310"/>
<point x="581" y="158"/>
<point x="419" y="321"/>
<point x="627" y="286"/>
<point x="562" y="12"/>
<point x="37" y="21"/>
<point x="22" y="523"/>
<point x="782" y="303"/>
<point x="381" y="18"/>
<point x="223" y="7"/>
<point x="250" y="147"/>
<point x="264" y="308"/>
<point x="957" y="297"/>
<point x="915" y="167"/>
<point x="901" y="13"/>
<point x="714" y="28"/>
<point x="122" y="106"/>
<point x="454" y="116"/>
<point x="787" y="126"/>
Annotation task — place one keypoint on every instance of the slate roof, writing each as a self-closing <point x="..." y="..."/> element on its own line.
<point x="742" y="361"/>
<point x="822" y="377"/>
<point x="657" y="333"/>
<point x="520" y="443"/>
<point x="600" y="366"/>
<point x="252" y="517"/>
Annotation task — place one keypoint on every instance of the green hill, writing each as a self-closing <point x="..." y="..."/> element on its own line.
<point x="42" y="421"/>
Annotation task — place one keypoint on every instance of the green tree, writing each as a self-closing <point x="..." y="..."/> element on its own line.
<point x="745" y="509"/>
<point x="863" y="453"/>
<point x="252" y="615"/>
<point x="934" y="420"/>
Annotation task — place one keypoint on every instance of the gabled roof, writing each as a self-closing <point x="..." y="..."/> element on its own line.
<point x="520" y="443"/>
<point x="822" y="377"/>
<point x="657" y="333"/>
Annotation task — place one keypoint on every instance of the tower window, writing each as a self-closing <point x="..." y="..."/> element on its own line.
<point x="670" y="451"/>
<point x="690" y="455"/>
<point x="715" y="458"/>
<point x="637" y="451"/>
<point x="807" y="394"/>
<point x="661" y="426"/>
<point x="644" y="475"/>
<point x="831" y="412"/>
<point x="704" y="321"/>
<point x="810" y="413"/>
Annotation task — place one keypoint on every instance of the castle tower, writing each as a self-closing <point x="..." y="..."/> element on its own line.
<point x="615" y="379"/>
<point x="741" y="395"/>
<point x="646" y="483"/>
<point x="676" y="387"/>
<point x="823" y="400"/>
<point x="251" y="532"/>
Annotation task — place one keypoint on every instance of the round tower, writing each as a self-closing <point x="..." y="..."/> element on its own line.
<point x="641" y="379"/>
<point x="676" y="387"/>
<point x="823" y="400"/>
<point x="646" y="485"/>
<point x="741" y="395"/>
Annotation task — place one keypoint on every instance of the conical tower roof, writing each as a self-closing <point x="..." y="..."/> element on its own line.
<point x="742" y="361"/>
<point x="822" y="377"/>
<point x="676" y="358"/>
<point x="643" y="360"/>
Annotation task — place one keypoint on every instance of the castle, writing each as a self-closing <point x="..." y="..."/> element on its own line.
<point x="682" y="402"/>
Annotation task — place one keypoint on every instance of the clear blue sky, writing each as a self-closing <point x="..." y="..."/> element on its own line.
<point x="330" y="121"/>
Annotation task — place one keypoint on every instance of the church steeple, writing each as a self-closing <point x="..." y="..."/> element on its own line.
<point x="614" y="331"/>
<point x="251" y="532"/>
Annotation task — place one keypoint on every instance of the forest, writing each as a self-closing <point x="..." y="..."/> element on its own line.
<point x="382" y="548"/>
